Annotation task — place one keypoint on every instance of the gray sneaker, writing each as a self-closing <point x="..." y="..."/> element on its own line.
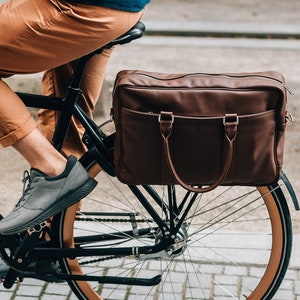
<point x="46" y="196"/>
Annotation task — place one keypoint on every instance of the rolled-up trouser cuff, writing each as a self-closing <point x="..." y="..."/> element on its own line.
<point x="18" y="133"/>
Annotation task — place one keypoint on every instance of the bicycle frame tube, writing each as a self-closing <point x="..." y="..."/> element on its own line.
<point x="63" y="105"/>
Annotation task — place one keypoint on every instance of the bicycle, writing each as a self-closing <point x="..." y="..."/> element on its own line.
<point x="233" y="242"/>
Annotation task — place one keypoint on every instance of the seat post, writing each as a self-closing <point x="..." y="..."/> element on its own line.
<point x="73" y="90"/>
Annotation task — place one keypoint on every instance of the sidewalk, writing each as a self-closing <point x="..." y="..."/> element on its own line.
<point x="186" y="36"/>
<point x="38" y="290"/>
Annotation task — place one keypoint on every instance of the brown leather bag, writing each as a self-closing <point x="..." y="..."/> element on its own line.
<point x="199" y="130"/>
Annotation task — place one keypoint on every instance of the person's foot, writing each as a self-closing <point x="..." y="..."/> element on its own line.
<point x="46" y="196"/>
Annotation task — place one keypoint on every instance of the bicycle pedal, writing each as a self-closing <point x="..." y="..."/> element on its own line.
<point x="39" y="227"/>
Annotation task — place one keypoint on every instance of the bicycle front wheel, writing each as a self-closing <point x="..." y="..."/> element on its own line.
<point x="234" y="242"/>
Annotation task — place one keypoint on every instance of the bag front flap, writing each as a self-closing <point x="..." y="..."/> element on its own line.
<point x="200" y="94"/>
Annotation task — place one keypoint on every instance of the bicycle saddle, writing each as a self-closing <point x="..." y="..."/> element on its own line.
<point x="132" y="34"/>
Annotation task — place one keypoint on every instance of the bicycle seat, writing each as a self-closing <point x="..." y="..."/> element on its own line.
<point x="132" y="34"/>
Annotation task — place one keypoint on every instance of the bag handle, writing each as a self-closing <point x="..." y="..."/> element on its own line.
<point x="230" y="122"/>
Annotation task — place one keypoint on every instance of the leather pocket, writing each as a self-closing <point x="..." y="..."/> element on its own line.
<point x="197" y="149"/>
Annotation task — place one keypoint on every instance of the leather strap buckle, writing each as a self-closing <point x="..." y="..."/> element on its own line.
<point x="166" y="116"/>
<point x="231" y="120"/>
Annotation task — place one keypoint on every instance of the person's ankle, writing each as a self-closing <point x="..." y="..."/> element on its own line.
<point x="55" y="168"/>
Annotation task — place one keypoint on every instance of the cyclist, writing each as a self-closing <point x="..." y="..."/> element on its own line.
<point x="38" y="35"/>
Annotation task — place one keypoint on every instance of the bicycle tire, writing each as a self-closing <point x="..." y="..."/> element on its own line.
<point x="228" y="263"/>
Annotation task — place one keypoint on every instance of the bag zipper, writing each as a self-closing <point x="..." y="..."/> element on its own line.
<point x="215" y="74"/>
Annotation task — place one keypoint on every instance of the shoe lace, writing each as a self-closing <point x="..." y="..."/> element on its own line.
<point x="26" y="187"/>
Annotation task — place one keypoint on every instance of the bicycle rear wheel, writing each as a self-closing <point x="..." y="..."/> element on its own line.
<point x="234" y="243"/>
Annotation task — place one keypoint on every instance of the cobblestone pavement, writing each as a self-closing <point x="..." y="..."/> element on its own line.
<point x="36" y="290"/>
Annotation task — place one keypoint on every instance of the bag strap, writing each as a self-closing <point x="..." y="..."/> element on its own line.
<point x="230" y="122"/>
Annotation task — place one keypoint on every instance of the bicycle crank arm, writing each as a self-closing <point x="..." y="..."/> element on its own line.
<point x="111" y="279"/>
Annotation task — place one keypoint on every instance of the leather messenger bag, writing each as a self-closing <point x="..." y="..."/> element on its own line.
<point x="199" y="130"/>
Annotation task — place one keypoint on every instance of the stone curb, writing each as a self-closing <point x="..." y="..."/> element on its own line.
<point x="223" y="29"/>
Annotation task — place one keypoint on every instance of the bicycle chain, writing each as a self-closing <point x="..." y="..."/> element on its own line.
<point x="111" y="220"/>
<point x="105" y="220"/>
<point x="101" y="259"/>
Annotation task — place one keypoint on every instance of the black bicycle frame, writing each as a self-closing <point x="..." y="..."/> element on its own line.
<point x="67" y="107"/>
<point x="94" y="138"/>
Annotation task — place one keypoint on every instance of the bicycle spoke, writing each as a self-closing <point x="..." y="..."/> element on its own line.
<point x="213" y="245"/>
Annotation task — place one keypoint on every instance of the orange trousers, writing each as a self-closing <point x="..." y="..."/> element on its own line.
<point x="39" y="35"/>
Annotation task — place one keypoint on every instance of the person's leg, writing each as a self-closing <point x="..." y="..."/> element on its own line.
<point x="36" y="35"/>
<point x="39" y="35"/>
<point x="41" y="157"/>
<point x="33" y="145"/>
<point x="42" y="34"/>
<point x="54" y="84"/>
<point x="52" y="183"/>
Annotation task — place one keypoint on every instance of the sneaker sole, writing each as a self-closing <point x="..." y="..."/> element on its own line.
<point x="59" y="205"/>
